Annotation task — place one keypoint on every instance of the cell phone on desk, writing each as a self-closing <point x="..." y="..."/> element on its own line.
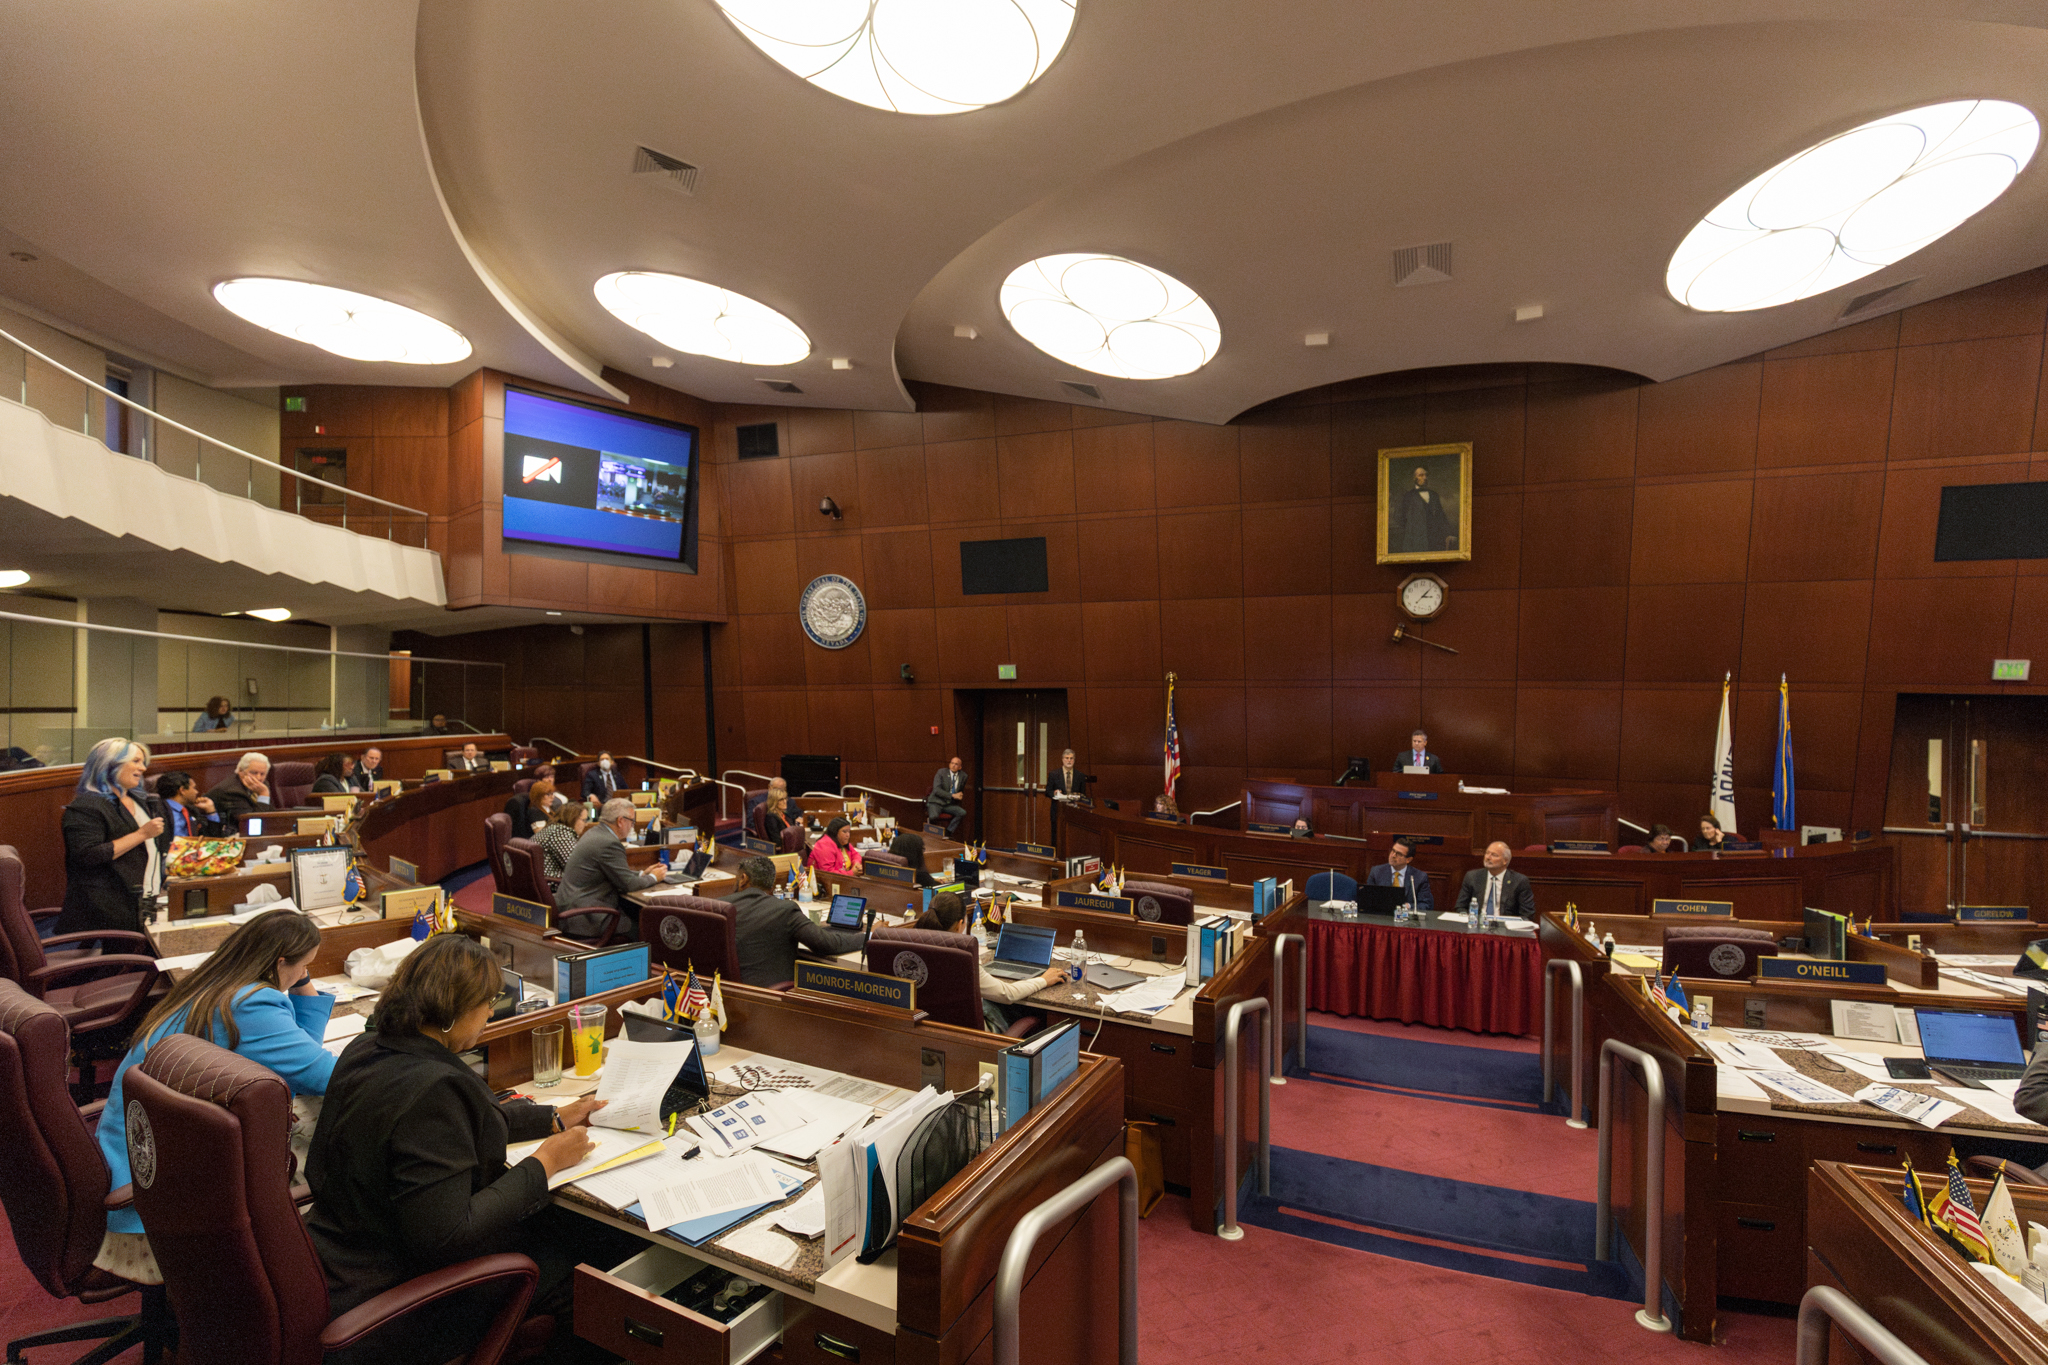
<point x="1908" y="1069"/>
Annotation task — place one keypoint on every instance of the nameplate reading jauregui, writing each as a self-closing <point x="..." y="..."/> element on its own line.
<point x="1840" y="973"/>
<point x="1038" y="850"/>
<point x="1723" y="909"/>
<point x="851" y="983"/>
<point x="526" y="912"/>
<point x="1984" y="913"/>
<point x="1083" y="900"/>
<point x="889" y="872"/>
<point x="1211" y="874"/>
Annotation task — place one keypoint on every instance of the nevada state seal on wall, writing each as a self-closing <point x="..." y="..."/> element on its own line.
<point x="832" y="611"/>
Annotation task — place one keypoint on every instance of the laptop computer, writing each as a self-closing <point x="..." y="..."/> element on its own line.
<point x="1382" y="900"/>
<point x="1021" y="950"/>
<point x="691" y="1086"/>
<point x="847" y="912"/>
<point x="1971" y="1047"/>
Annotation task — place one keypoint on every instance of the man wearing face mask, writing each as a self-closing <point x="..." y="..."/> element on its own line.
<point x="597" y="876"/>
<point x="601" y="781"/>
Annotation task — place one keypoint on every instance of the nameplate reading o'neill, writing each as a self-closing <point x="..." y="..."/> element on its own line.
<point x="1038" y="850"/>
<point x="1723" y="909"/>
<point x="1213" y="874"/>
<point x="1983" y="913"/>
<point x="1086" y="900"/>
<point x="889" y="872"/>
<point x="851" y="983"/>
<point x="1838" y="973"/>
<point x="526" y="912"/>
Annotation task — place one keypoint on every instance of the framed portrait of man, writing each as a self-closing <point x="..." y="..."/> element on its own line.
<point x="1424" y="511"/>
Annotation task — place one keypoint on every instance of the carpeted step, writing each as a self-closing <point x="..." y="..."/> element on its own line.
<point x="1438" y="1068"/>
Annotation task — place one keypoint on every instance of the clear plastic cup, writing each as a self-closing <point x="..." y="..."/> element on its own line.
<point x="586" y="1036"/>
<point x="547" y="1055"/>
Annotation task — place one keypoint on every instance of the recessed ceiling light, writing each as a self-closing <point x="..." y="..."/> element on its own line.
<point x="347" y="323"/>
<point x="554" y="613"/>
<point x="1111" y="316"/>
<point x="910" y="56"/>
<point x="702" y="319"/>
<point x="1852" y="205"/>
<point x="13" y="578"/>
<point x="271" y="613"/>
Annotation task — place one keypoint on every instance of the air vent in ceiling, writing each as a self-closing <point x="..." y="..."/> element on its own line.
<point x="1863" y="301"/>
<point x="680" y="173"/>
<point x="759" y="441"/>
<point x="1426" y="264"/>
<point x="1085" y="390"/>
<point x="781" y="386"/>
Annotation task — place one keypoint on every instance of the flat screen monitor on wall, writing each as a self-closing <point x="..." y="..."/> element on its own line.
<point x="594" y="484"/>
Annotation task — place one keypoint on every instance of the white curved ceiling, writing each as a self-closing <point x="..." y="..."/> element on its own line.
<point x="1271" y="156"/>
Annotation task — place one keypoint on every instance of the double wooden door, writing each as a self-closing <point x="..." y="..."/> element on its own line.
<point x="1967" y="801"/>
<point x="1022" y="736"/>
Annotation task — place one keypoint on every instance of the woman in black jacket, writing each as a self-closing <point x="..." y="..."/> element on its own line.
<point x="910" y="848"/>
<point x="329" y="777"/>
<point x="408" y="1166"/>
<point x="111" y="858"/>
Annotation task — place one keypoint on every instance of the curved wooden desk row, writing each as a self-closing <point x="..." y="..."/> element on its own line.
<point x="1858" y="880"/>
<point x="1421" y="803"/>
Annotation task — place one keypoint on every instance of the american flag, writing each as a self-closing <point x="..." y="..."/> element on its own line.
<point x="682" y="998"/>
<point x="1172" y="742"/>
<point x="1953" y="1209"/>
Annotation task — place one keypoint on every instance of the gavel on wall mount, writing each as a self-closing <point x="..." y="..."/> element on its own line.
<point x="1401" y="632"/>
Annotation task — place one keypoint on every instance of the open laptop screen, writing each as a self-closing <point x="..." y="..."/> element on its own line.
<point x="1967" y="1036"/>
<point x="846" y="912"/>
<point x="1025" y="943"/>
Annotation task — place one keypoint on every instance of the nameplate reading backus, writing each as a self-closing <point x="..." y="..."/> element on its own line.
<point x="1985" y="913"/>
<point x="1212" y="874"/>
<point x="1835" y="973"/>
<point x="889" y="872"/>
<point x="1038" y="850"/>
<point x="1084" y="900"/>
<point x="851" y="983"/>
<point x="526" y="912"/>
<point x="1721" y="909"/>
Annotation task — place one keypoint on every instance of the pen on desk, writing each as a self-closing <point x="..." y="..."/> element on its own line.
<point x="672" y="1122"/>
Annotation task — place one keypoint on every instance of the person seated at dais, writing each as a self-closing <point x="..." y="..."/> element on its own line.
<point x="833" y="850"/>
<point x="248" y="790"/>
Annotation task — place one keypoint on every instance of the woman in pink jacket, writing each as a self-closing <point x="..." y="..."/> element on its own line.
<point x="831" y="852"/>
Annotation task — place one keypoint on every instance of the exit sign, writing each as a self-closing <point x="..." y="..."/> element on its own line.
<point x="2010" y="670"/>
<point x="1006" y="672"/>
<point x="294" y="405"/>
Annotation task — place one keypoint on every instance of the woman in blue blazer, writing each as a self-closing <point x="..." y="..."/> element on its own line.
<point x="253" y="996"/>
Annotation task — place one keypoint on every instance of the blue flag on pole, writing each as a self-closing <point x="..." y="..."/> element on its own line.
<point x="1784" y="804"/>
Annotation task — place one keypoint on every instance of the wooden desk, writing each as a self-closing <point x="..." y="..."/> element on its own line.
<point x="1860" y="1240"/>
<point x="1429" y="971"/>
<point x="438" y="827"/>
<point x="1425" y="804"/>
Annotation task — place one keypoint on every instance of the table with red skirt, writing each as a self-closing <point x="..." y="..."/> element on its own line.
<point x="1425" y="972"/>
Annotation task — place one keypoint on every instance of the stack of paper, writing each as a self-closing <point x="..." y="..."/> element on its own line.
<point x="747" y="1121"/>
<point x="820" y="1121"/>
<point x="858" y="1175"/>
<point x="1149" y="996"/>
<point x="635" y="1077"/>
<point x="610" y="1147"/>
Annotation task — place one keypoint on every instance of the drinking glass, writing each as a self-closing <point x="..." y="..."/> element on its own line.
<point x="547" y="1055"/>
<point x="586" y="1033"/>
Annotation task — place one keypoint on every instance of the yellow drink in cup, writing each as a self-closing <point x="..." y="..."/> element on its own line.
<point x="586" y="1037"/>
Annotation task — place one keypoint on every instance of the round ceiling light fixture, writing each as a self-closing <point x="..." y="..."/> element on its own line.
<point x="702" y="319"/>
<point x="910" y="56"/>
<point x="1112" y="316"/>
<point x="1852" y="205"/>
<point x="13" y="578"/>
<point x="272" y="614"/>
<point x="349" y="324"/>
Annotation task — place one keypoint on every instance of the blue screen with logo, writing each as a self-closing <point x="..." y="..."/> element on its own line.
<point x="587" y="478"/>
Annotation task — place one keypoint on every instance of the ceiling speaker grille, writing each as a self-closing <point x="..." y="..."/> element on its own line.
<point x="781" y="386"/>
<point x="1863" y="301"/>
<point x="647" y="161"/>
<point x="1084" y="390"/>
<point x="1426" y="264"/>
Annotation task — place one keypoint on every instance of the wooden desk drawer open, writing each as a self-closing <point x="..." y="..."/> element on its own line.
<point x="623" y="1311"/>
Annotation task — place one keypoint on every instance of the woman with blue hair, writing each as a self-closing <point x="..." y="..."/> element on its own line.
<point x="111" y="860"/>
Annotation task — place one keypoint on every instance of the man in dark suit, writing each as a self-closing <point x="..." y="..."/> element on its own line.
<point x="944" y="798"/>
<point x="1066" y="781"/>
<point x="1396" y="871"/>
<point x="770" y="930"/>
<point x="597" y="874"/>
<point x="187" y="814"/>
<point x="248" y="790"/>
<point x="369" y="770"/>
<point x="600" y="779"/>
<point x="1416" y="522"/>
<point x="470" y="760"/>
<point x="1417" y="754"/>
<point x="1496" y="888"/>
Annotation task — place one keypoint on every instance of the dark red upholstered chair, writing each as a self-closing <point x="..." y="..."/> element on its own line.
<point x="1535" y="848"/>
<point x="794" y="840"/>
<point x="1991" y="1167"/>
<point x="101" y="982"/>
<point x="522" y="753"/>
<point x="685" y="931"/>
<point x="1161" y="902"/>
<point x="519" y="787"/>
<point x="947" y="970"/>
<point x="593" y="926"/>
<point x="291" y="784"/>
<point x="497" y="833"/>
<point x="207" y="1130"/>
<point x="1716" y="950"/>
<point x="53" y="1183"/>
<point x="1630" y="848"/>
<point x="756" y="816"/>
<point x="883" y="855"/>
<point x="526" y="871"/>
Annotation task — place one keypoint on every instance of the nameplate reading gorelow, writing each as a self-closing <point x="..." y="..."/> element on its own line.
<point x="1807" y="969"/>
<point x="1211" y="874"/>
<point x="1720" y="909"/>
<point x="851" y="983"/>
<point x="1987" y="913"/>
<point x="1085" y="900"/>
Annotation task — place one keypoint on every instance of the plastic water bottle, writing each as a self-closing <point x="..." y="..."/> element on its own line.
<point x="1080" y="953"/>
<point x="1472" y="916"/>
<point x="706" y="1029"/>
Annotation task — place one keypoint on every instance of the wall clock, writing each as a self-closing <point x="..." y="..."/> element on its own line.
<point x="1422" y="595"/>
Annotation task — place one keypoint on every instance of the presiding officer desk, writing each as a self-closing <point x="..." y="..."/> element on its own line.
<point x="1736" y="1153"/>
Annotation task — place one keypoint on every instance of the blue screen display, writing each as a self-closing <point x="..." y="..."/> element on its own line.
<point x="590" y="479"/>
<point x="1965" y="1037"/>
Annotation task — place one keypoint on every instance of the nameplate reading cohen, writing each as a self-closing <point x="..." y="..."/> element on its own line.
<point x="1723" y="909"/>
<point x="1806" y="969"/>
<point x="851" y="983"/>
<point x="1086" y="900"/>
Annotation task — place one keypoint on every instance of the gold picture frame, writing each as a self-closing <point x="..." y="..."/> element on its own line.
<point x="1428" y="529"/>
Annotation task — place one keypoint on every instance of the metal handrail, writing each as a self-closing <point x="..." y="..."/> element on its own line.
<point x="386" y="657"/>
<point x="567" y="752"/>
<point x="1258" y="1005"/>
<point x="1576" y="1117"/>
<point x="215" y="441"/>
<point x="895" y="796"/>
<point x="1622" y="820"/>
<point x="1034" y="1225"/>
<point x="1651" y="1315"/>
<point x="735" y="786"/>
<point x="650" y="763"/>
<point x="1279" y="1029"/>
<point x="1218" y="811"/>
<point x="1824" y="1304"/>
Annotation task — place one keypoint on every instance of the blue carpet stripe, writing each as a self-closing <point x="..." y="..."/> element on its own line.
<point x="1443" y="1068"/>
<point x="1436" y="1096"/>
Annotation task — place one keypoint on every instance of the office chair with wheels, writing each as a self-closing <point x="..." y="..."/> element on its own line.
<point x="1319" y="887"/>
<point x="497" y="832"/>
<point x="591" y="926"/>
<point x="526" y="872"/>
<point x="685" y="931"/>
<point x="947" y="970"/>
<point x="53" y="1184"/>
<point x="98" y="979"/>
<point x="1713" y="950"/>
<point x="1161" y="902"/>
<point x="207" y="1131"/>
<point x="291" y="784"/>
